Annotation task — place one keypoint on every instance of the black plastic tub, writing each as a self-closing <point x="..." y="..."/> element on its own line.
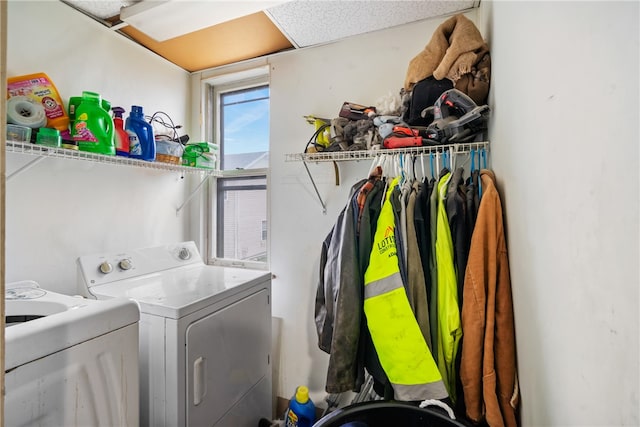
<point x="388" y="414"/>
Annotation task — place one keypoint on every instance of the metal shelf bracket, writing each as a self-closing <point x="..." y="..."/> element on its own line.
<point x="336" y="171"/>
<point x="193" y="193"/>
<point x="24" y="168"/>
<point x="324" y="207"/>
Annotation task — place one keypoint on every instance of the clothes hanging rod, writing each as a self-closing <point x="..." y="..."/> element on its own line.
<point x="334" y="156"/>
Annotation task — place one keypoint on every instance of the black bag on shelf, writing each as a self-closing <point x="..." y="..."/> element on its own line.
<point x="424" y="94"/>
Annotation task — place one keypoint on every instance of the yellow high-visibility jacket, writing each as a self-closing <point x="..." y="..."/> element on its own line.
<point x="401" y="347"/>
<point x="449" y="324"/>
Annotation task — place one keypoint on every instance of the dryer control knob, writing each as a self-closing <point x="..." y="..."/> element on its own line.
<point x="105" y="267"/>
<point x="125" y="264"/>
<point x="184" y="254"/>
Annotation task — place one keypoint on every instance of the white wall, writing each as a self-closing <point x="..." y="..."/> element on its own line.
<point x="564" y="146"/>
<point x="61" y="209"/>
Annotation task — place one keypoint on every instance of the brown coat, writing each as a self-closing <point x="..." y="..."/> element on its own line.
<point x="488" y="365"/>
<point x="457" y="52"/>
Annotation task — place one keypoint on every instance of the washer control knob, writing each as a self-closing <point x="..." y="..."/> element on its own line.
<point x="125" y="264"/>
<point x="184" y="254"/>
<point x="105" y="267"/>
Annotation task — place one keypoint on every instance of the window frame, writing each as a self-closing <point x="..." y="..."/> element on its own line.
<point x="214" y="87"/>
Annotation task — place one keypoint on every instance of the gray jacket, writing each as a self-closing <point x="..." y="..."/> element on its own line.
<point x="339" y="299"/>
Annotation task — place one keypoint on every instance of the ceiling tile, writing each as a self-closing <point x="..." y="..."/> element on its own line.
<point x="103" y="9"/>
<point x="307" y="23"/>
<point x="221" y="44"/>
<point x="166" y="20"/>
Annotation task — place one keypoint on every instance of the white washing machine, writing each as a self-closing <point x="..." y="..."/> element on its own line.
<point x="69" y="361"/>
<point x="205" y="333"/>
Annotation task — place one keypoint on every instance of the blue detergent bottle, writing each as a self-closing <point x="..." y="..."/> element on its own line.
<point x="142" y="143"/>
<point x="301" y="411"/>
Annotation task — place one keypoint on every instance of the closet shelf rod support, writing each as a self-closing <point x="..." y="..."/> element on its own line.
<point x="324" y="207"/>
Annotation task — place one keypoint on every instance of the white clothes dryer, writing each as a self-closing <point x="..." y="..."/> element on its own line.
<point x="205" y="333"/>
<point x="69" y="360"/>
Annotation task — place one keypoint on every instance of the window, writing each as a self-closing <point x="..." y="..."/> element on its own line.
<point x="239" y="121"/>
<point x="241" y="219"/>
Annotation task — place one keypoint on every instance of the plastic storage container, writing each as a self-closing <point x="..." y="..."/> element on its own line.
<point x="93" y="126"/>
<point x="18" y="133"/>
<point x="169" y="151"/>
<point x="142" y="144"/>
<point x="49" y="137"/>
<point x="301" y="411"/>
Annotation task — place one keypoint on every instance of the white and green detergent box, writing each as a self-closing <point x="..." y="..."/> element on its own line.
<point x="200" y="155"/>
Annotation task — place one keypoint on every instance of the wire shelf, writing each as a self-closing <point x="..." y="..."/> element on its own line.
<point x="335" y="156"/>
<point x="64" y="153"/>
<point x="341" y="156"/>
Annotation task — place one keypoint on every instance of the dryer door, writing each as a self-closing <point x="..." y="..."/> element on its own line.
<point x="228" y="362"/>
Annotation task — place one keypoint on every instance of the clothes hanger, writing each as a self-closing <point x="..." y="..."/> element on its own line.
<point x="412" y="164"/>
<point x="385" y="176"/>
<point x="424" y="176"/>
<point x="454" y="157"/>
<point x="473" y="159"/>
<point x="431" y="165"/>
<point x="479" y="177"/>
<point x="375" y="163"/>
<point x="388" y="166"/>
<point x="408" y="167"/>
<point x="448" y="164"/>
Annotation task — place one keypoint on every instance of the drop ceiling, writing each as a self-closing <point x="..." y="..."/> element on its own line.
<point x="207" y="34"/>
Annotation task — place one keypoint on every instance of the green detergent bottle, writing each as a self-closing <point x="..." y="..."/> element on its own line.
<point x="93" y="126"/>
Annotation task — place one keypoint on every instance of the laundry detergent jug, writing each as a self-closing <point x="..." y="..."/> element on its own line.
<point x="93" y="128"/>
<point x="301" y="411"/>
<point x="142" y="143"/>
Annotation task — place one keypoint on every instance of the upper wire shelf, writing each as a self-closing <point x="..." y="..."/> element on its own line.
<point x="44" y="151"/>
<point x="334" y="156"/>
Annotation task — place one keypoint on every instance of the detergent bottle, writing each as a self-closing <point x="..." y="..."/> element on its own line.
<point x="142" y="143"/>
<point x="301" y="411"/>
<point x="74" y="103"/>
<point x="93" y="126"/>
<point x="121" y="137"/>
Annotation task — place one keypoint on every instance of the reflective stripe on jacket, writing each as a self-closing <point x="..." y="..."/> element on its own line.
<point x="400" y="345"/>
